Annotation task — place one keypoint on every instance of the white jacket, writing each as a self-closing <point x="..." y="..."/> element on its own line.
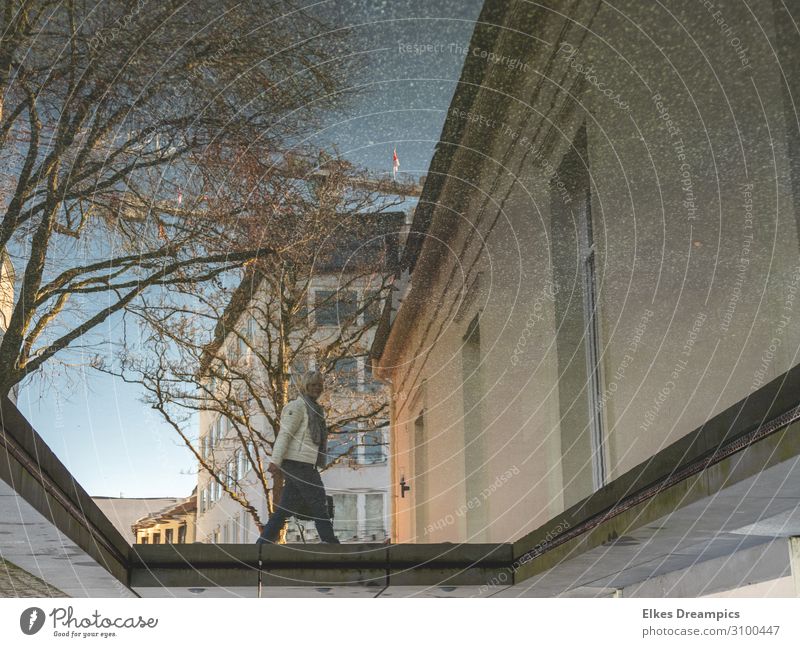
<point x="294" y="438"/>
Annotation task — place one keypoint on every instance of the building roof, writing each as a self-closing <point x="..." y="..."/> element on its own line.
<point x="470" y="83"/>
<point x="469" y="86"/>
<point x="361" y="243"/>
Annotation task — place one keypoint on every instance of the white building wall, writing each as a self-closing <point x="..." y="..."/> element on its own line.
<point x="653" y="255"/>
<point x="228" y="522"/>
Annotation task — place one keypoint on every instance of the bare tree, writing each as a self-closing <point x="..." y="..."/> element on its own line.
<point x="230" y="352"/>
<point x="106" y="108"/>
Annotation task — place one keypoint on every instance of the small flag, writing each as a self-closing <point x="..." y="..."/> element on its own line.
<point x="395" y="164"/>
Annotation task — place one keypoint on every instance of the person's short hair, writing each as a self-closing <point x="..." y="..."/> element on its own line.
<point x="306" y="379"/>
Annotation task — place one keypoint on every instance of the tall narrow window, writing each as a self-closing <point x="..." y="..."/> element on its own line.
<point x="345" y="520"/>
<point x="373" y="447"/>
<point x="346" y="372"/>
<point x="475" y="468"/>
<point x="592" y="345"/>
<point x="335" y="308"/>
<point x="578" y="341"/>
<point x="373" y="523"/>
<point x="420" y="483"/>
<point x="237" y="465"/>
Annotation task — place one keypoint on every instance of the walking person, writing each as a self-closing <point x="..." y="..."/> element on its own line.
<point x="300" y="448"/>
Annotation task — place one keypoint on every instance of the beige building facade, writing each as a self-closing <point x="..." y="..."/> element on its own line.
<point x="124" y="512"/>
<point x="173" y="524"/>
<point x="605" y="257"/>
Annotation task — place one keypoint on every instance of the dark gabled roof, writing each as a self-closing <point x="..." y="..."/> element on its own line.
<point x="485" y="35"/>
<point x="487" y="31"/>
<point x="362" y="242"/>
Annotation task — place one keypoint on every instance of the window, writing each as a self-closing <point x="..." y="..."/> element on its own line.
<point x="345" y="519"/>
<point x="372" y="447"/>
<point x="234" y="348"/>
<point x="251" y="328"/>
<point x="182" y="533"/>
<point x="373" y="523"/>
<point x="370" y="383"/>
<point x="230" y="475"/>
<point x="237" y="464"/>
<point x="420" y="478"/>
<point x="226" y="539"/>
<point x="235" y="538"/>
<point x="346" y="372"/>
<point x="244" y="466"/>
<point x="473" y="393"/>
<point x="215" y="538"/>
<point x="373" y="306"/>
<point x="168" y="536"/>
<point x="253" y="460"/>
<point x="245" y="526"/>
<point x="341" y="444"/>
<point x="143" y="539"/>
<point x="301" y="313"/>
<point x="202" y="503"/>
<point x="578" y="335"/>
<point x="156" y="537"/>
<point x="587" y="252"/>
<point x="335" y="308"/>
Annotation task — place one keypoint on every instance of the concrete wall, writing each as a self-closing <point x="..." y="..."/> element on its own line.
<point x="686" y="328"/>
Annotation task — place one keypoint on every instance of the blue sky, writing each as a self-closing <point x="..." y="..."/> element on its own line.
<point x="109" y="440"/>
